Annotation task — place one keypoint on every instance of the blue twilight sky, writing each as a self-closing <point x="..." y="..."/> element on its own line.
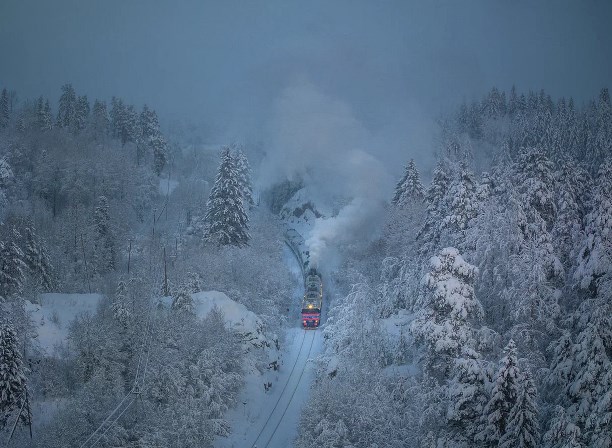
<point x="223" y="65"/>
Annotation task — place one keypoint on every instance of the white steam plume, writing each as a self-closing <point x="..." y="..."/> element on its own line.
<point x="317" y="139"/>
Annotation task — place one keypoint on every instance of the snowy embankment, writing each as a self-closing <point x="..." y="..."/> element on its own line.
<point x="55" y="312"/>
<point x="238" y="319"/>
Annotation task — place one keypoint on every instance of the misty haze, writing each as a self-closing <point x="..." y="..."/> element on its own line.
<point x="323" y="224"/>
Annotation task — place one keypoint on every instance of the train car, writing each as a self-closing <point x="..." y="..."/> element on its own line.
<point x="313" y="300"/>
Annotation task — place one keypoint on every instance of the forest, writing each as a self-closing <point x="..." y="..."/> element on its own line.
<point x="479" y="315"/>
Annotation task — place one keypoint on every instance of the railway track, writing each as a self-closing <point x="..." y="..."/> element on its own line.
<point x="268" y="431"/>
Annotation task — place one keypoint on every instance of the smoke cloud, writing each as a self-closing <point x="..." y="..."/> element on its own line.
<point x="316" y="138"/>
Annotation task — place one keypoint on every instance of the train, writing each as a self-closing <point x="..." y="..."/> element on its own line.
<point x="313" y="299"/>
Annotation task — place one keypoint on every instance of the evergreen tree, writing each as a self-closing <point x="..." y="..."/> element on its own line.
<point x="13" y="380"/>
<point x="595" y="257"/>
<point x="37" y="260"/>
<point x="120" y="306"/>
<point x="117" y="116"/>
<point x="603" y="126"/>
<point x="100" y="120"/>
<point x="151" y="140"/>
<point x="40" y="110"/>
<point x="513" y="103"/>
<point x="104" y="242"/>
<point x="129" y="129"/>
<point x="523" y="429"/>
<point x="226" y="222"/>
<point x="461" y="208"/>
<point x="494" y="105"/>
<point x="43" y="115"/>
<point x="81" y="113"/>
<point x="584" y="370"/>
<point x="48" y="116"/>
<point x="444" y="324"/>
<point x="66" y="113"/>
<point x="160" y="154"/>
<point x="409" y="189"/>
<point x="12" y="266"/>
<point x="466" y="398"/>
<point x="4" y="109"/>
<point x="504" y="396"/>
<point x="562" y="433"/>
<point x="244" y="177"/>
<point x="430" y="233"/>
<point x="182" y="302"/>
<point x="535" y="179"/>
<point x="571" y="184"/>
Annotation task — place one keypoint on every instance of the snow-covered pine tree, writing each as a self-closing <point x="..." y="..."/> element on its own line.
<point x="81" y="113"/>
<point x="571" y="184"/>
<point x="160" y="155"/>
<point x="535" y="180"/>
<point x="4" y="109"/>
<point x="12" y="266"/>
<point x="151" y="139"/>
<point x="40" y="113"/>
<point x="595" y="257"/>
<point x="429" y="235"/>
<point x="244" y="177"/>
<point x="13" y="381"/>
<point x="562" y="433"/>
<point x="523" y="428"/>
<point x="37" y="259"/>
<point x="47" y="117"/>
<point x="461" y="208"/>
<point x="6" y="174"/>
<point x="409" y="189"/>
<point x="503" y="398"/>
<point x="99" y="120"/>
<point x="450" y="308"/>
<point x="67" y="107"/>
<point x="129" y="126"/>
<point x="182" y="302"/>
<point x="584" y="370"/>
<point x="226" y="221"/>
<point x="466" y="398"/>
<point x="120" y="306"/>
<point x="104" y="254"/>
<point x="603" y="126"/>
<point x="117" y="116"/>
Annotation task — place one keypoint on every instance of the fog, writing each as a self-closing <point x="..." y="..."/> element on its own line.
<point x="223" y="66"/>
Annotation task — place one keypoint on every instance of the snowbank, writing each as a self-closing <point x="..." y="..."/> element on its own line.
<point x="237" y="317"/>
<point x="52" y="317"/>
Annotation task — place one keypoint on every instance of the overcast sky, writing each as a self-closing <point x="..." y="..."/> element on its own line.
<point x="225" y="64"/>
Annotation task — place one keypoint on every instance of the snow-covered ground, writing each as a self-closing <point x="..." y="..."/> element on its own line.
<point x="270" y="418"/>
<point x="53" y="315"/>
<point x="167" y="186"/>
